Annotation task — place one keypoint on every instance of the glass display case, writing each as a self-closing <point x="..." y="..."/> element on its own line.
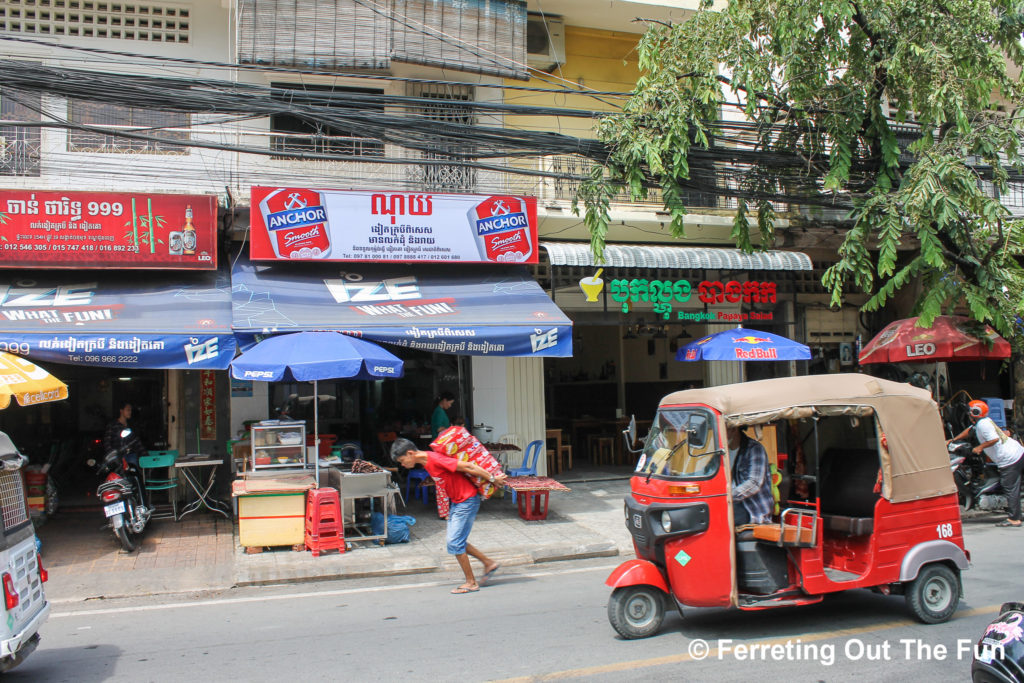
<point x="278" y="445"/>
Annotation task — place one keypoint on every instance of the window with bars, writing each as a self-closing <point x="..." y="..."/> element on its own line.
<point x="19" y="145"/>
<point x="480" y="36"/>
<point x="441" y="103"/>
<point x="337" y="136"/>
<point x="146" y="21"/>
<point x="134" y="120"/>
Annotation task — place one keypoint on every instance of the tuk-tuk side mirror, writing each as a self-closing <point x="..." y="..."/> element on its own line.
<point x="629" y="434"/>
<point x="697" y="430"/>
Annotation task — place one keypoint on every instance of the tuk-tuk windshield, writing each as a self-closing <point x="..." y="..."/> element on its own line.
<point x="683" y="443"/>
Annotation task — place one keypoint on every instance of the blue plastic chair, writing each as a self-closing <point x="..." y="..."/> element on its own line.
<point x="997" y="411"/>
<point x="420" y="477"/>
<point x="528" y="467"/>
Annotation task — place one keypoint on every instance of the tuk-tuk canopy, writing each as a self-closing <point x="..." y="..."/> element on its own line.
<point x="915" y="465"/>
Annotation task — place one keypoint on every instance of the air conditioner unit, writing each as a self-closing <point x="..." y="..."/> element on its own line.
<point x="545" y="41"/>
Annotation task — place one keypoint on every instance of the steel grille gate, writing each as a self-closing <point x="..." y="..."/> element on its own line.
<point x="12" y="499"/>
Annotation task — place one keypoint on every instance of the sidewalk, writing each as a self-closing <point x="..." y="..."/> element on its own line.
<point x="201" y="552"/>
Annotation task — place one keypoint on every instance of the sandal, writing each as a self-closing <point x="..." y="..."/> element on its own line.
<point x="1008" y="523"/>
<point x="461" y="590"/>
<point x="486" y="578"/>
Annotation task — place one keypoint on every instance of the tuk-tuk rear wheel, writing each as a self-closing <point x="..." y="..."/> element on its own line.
<point x="934" y="595"/>
<point x="636" y="611"/>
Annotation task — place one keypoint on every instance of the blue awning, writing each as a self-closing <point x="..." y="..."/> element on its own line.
<point x="118" y="320"/>
<point x="458" y="309"/>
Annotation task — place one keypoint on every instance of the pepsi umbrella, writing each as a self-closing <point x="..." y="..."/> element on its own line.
<point x="312" y="356"/>
<point x="744" y="344"/>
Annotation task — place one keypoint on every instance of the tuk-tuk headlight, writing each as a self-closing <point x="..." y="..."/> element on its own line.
<point x="666" y="521"/>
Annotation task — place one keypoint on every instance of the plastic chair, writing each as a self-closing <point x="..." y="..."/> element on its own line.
<point x="157" y="460"/>
<point x="422" y="489"/>
<point x="528" y="468"/>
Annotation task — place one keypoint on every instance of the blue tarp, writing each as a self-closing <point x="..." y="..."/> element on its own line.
<point x="458" y="309"/>
<point x="111" y="319"/>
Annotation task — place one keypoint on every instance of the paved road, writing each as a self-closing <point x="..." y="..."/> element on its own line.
<point x="534" y="621"/>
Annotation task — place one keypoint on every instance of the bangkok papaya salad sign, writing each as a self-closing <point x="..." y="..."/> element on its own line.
<point x="301" y="224"/>
<point x="100" y="229"/>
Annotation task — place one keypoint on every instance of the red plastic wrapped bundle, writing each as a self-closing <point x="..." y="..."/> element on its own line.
<point x="459" y="443"/>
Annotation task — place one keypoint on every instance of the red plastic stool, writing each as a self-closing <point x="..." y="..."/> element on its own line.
<point x="533" y="504"/>
<point x="324" y="527"/>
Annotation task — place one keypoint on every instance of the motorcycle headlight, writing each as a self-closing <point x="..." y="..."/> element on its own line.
<point x="666" y="521"/>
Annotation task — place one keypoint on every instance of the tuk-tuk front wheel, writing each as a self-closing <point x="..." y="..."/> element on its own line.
<point x="636" y="611"/>
<point x="934" y="595"/>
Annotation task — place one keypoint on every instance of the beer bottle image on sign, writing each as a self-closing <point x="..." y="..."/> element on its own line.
<point x="297" y="224"/>
<point x="502" y="229"/>
<point x="188" y="234"/>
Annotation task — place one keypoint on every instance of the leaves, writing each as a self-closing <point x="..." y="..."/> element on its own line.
<point x="888" y="108"/>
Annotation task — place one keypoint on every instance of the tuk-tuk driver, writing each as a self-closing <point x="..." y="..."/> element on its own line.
<point x="752" y="500"/>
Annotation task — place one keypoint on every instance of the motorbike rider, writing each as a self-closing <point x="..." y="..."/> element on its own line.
<point x="1005" y="452"/>
<point x="133" y="448"/>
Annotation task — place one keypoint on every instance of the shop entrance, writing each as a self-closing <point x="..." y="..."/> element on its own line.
<point x="67" y="433"/>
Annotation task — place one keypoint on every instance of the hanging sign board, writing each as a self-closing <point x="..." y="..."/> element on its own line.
<point x="301" y="224"/>
<point x="101" y="229"/>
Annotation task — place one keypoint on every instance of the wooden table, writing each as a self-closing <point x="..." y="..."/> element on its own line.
<point x="532" y="495"/>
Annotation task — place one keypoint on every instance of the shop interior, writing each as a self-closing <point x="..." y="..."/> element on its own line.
<point x="65" y="434"/>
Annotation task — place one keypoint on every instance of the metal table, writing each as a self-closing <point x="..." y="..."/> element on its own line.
<point x="371" y="485"/>
<point x="190" y="467"/>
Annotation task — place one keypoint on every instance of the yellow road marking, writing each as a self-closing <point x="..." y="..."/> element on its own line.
<point x="713" y="652"/>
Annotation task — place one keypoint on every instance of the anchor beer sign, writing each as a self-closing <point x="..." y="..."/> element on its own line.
<point x="302" y="224"/>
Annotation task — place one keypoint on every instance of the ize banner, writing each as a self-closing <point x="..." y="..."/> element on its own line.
<point x="99" y="229"/>
<point x="301" y="224"/>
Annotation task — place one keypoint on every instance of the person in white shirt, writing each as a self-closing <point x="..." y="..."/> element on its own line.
<point x="1006" y="453"/>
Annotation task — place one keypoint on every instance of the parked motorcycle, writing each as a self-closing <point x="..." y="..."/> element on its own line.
<point x="999" y="655"/>
<point x="974" y="474"/>
<point x="123" y="495"/>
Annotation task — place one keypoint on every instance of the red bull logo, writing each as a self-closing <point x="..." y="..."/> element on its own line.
<point x="757" y="354"/>
<point x="750" y="339"/>
<point x="502" y="229"/>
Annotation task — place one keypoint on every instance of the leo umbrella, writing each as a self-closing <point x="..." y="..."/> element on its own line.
<point x="27" y="382"/>
<point x="950" y="338"/>
<point x="743" y="344"/>
<point x="312" y="356"/>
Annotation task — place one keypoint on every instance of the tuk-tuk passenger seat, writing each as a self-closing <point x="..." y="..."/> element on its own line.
<point x="847" y="490"/>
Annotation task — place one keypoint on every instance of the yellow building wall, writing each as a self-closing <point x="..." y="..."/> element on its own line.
<point x="596" y="59"/>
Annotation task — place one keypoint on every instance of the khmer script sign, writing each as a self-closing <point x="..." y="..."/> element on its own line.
<point x="304" y="224"/>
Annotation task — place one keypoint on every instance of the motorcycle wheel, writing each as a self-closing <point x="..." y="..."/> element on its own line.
<point x="636" y="611"/>
<point x="934" y="595"/>
<point x="127" y="544"/>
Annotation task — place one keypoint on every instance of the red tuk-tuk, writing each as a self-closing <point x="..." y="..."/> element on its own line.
<point x="863" y="494"/>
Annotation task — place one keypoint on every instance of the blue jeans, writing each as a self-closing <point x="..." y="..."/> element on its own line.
<point x="460" y="523"/>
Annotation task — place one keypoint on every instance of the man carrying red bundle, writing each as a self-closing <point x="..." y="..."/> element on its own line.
<point x="465" y="503"/>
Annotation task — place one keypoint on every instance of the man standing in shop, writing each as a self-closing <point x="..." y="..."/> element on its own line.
<point x="465" y="503"/>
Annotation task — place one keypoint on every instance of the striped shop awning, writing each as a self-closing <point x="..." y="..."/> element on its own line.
<point x="666" y="257"/>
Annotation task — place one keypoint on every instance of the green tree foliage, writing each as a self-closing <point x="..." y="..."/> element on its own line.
<point x="824" y="86"/>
